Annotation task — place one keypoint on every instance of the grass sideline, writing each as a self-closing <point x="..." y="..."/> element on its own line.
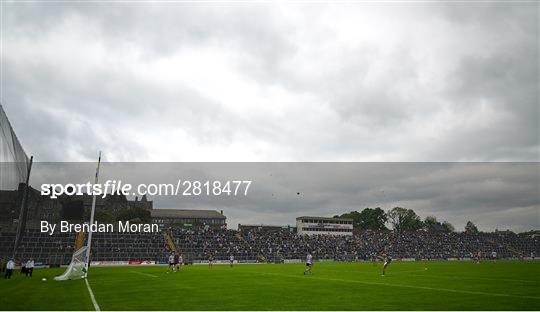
<point x="501" y="285"/>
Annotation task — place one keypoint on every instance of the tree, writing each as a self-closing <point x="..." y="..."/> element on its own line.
<point x="104" y="216"/>
<point x="447" y="227"/>
<point x="404" y="219"/>
<point x="431" y="224"/>
<point x="354" y="215"/>
<point x="134" y="214"/>
<point x="367" y="219"/>
<point x="471" y="228"/>
<point x="372" y="219"/>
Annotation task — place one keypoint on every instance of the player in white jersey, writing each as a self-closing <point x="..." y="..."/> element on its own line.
<point x="309" y="264"/>
<point x="231" y="260"/>
<point x="179" y="263"/>
<point x="171" y="263"/>
<point x="29" y="267"/>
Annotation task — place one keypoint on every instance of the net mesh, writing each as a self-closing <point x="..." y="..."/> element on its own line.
<point x="13" y="160"/>
<point x="77" y="267"/>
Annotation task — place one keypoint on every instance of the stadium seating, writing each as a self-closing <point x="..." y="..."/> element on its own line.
<point x="275" y="246"/>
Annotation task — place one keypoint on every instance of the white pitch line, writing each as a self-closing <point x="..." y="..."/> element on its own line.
<point x="403" y="286"/>
<point x="371" y="273"/>
<point x="94" y="302"/>
<point x="409" y="271"/>
<point x="477" y="278"/>
<point x="439" y="276"/>
<point x="146" y="274"/>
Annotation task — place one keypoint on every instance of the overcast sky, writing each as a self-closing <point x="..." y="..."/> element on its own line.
<point x="416" y="81"/>
<point x="492" y="195"/>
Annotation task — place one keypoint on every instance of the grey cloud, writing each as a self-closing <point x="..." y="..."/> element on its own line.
<point x="494" y="195"/>
<point x="377" y="118"/>
<point x="441" y="82"/>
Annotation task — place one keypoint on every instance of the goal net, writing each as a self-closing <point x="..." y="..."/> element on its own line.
<point x="77" y="267"/>
<point x="13" y="160"/>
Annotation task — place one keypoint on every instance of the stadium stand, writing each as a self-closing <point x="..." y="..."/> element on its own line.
<point x="273" y="246"/>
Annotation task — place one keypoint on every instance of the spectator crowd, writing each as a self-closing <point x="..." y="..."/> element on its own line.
<point x="259" y="244"/>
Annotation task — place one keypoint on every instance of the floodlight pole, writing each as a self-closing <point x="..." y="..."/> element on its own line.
<point x="89" y="245"/>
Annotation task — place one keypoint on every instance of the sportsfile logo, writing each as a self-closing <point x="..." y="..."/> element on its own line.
<point x="181" y="188"/>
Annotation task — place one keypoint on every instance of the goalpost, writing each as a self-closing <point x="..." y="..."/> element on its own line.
<point x="77" y="267"/>
<point x="80" y="262"/>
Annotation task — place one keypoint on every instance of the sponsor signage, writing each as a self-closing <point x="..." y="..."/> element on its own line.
<point x="146" y="262"/>
<point x="121" y="263"/>
<point x="108" y="263"/>
<point x="292" y="260"/>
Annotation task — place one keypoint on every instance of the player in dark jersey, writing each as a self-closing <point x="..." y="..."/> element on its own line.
<point x="478" y="257"/>
<point x="374" y="260"/>
<point x="210" y="261"/>
<point x="176" y="261"/>
<point x="386" y="261"/>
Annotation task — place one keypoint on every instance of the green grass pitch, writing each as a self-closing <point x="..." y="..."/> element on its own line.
<point x="501" y="285"/>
